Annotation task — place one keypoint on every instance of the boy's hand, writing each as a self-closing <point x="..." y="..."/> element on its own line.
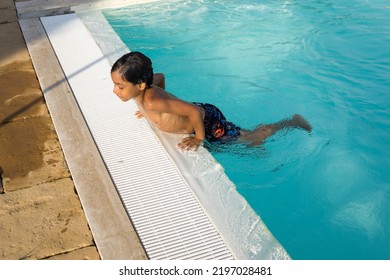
<point x="138" y="115"/>
<point x="190" y="143"/>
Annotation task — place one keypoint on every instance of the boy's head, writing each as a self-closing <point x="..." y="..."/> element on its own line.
<point x="134" y="67"/>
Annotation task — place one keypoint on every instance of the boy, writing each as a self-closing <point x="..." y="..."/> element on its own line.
<point x="133" y="78"/>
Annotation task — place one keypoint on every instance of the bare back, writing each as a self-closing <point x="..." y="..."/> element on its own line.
<point x="160" y="108"/>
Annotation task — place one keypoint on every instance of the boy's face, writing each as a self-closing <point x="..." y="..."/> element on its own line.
<point x="123" y="89"/>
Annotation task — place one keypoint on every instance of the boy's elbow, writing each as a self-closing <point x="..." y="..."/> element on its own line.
<point x="159" y="80"/>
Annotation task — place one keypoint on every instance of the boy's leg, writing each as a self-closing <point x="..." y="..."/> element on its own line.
<point x="297" y="121"/>
<point x="262" y="132"/>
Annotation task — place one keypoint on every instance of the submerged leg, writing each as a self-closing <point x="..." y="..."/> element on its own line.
<point x="262" y="132"/>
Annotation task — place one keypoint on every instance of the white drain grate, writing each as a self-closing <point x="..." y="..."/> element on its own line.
<point x="167" y="216"/>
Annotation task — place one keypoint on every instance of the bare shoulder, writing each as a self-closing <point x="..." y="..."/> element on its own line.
<point x="157" y="98"/>
<point x="162" y="93"/>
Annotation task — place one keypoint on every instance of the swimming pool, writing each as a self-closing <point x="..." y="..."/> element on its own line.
<point x="324" y="195"/>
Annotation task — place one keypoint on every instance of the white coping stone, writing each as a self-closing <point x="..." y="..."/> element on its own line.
<point x="115" y="238"/>
<point x="166" y="214"/>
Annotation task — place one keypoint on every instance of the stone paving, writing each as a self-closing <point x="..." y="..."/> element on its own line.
<point x="40" y="213"/>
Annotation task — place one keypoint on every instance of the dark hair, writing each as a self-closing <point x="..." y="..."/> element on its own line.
<point x="134" y="67"/>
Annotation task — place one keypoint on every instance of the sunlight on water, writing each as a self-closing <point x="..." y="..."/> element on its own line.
<point x="325" y="195"/>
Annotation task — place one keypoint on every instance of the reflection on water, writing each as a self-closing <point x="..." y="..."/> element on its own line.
<point x="324" y="195"/>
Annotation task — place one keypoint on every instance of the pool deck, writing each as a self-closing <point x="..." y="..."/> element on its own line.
<point x="41" y="213"/>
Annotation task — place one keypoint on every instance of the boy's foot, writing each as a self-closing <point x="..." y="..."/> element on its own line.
<point x="299" y="121"/>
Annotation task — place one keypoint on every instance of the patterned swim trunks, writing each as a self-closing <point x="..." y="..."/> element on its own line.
<point x="217" y="128"/>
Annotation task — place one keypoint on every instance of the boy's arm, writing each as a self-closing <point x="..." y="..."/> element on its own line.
<point x="159" y="80"/>
<point x="194" y="114"/>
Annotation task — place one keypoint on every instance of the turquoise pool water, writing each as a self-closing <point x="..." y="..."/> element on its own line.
<point x="324" y="195"/>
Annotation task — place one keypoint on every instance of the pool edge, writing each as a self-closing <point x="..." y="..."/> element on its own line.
<point x="188" y="165"/>
<point x="114" y="240"/>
